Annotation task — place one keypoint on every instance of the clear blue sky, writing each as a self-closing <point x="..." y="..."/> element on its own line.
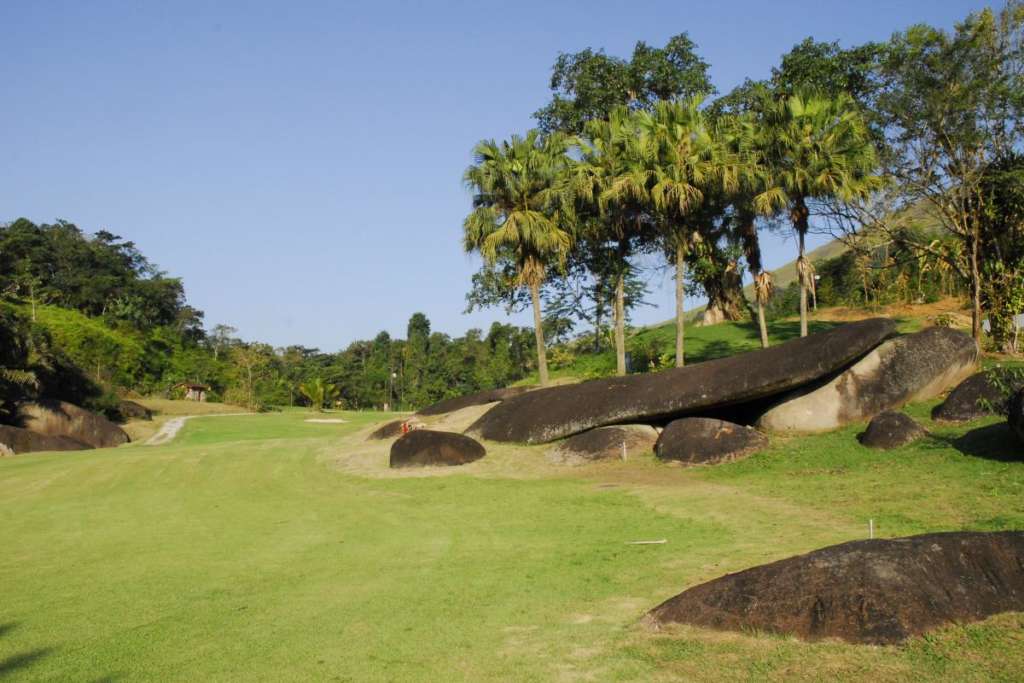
<point x="299" y="164"/>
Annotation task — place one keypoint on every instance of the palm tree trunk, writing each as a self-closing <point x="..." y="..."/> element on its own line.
<point x="620" y="325"/>
<point x="761" y="324"/>
<point x="538" y="331"/>
<point x="680" y="304"/>
<point x="803" y="290"/>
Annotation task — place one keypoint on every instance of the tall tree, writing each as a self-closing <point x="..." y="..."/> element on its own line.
<point x="520" y="212"/>
<point x="817" y="149"/>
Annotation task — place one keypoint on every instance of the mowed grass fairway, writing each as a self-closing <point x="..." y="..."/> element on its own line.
<point x="265" y="547"/>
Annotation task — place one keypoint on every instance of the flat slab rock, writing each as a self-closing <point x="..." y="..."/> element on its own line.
<point x="60" y="418"/>
<point x="914" y="367"/>
<point x="605" y="443"/>
<point x="556" y="412"/>
<point x="978" y="396"/>
<point x="891" y="430"/>
<point x="874" y="591"/>
<point x="450" y="405"/>
<point x="704" y="440"/>
<point x="425" y="448"/>
<point x="1015" y="414"/>
<point x="14" y="440"/>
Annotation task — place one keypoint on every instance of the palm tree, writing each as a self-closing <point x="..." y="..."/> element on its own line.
<point x="747" y="140"/>
<point x="612" y="183"/>
<point x="520" y="212"/>
<point x="319" y="393"/>
<point x="688" y="161"/>
<point x="816" y="148"/>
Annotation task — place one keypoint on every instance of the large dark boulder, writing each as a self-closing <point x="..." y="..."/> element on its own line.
<point x="15" y="440"/>
<point x="388" y="430"/>
<point x="547" y="414"/>
<point x="700" y="440"/>
<point x="891" y="430"/>
<point x="424" y="447"/>
<point x="1015" y="414"/>
<point x="914" y="367"/>
<point x="985" y="393"/>
<point x="130" y="410"/>
<point x="875" y="591"/>
<point x="450" y="405"/>
<point x="605" y="443"/>
<point x="59" y="418"/>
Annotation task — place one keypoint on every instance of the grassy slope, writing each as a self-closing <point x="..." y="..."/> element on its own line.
<point x="244" y="551"/>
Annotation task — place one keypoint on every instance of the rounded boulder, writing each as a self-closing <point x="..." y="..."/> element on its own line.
<point x="59" y="418"/>
<point x="606" y="443"/>
<point x="1016" y="414"/>
<point x="891" y="430"/>
<point x="427" y="448"/>
<point x="979" y="395"/>
<point x="704" y="440"/>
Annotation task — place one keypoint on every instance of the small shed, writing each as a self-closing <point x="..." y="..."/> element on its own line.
<point x="193" y="392"/>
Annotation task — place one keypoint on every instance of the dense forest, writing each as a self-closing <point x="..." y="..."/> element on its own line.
<point x="907" y="151"/>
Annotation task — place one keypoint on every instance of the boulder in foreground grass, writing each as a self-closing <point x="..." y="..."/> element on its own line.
<point x="704" y="440"/>
<point x="424" y="448"/>
<point x="913" y="367"/>
<point x="876" y="591"/>
<point x="605" y="443"/>
<point x="450" y="405"/>
<point x="59" y="418"/>
<point x="14" y="440"/>
<point x="891" y="430"/>
<point x="547" y="414"/>
<point x="985" y="393"/>
<point x="1016" y="414"/>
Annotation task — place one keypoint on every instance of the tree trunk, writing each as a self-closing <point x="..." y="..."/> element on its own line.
<point x="598" y="314"/>
<point x="803" y="289"/>
<point x="761" y="324"/>
<point x="538" y="331"/>
<point x="620" y="325"/>
<point x="975" y="292"/>
<point x="680" y="303"/>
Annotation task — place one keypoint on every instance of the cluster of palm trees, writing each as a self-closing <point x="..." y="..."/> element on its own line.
<point x="660" y="179"/>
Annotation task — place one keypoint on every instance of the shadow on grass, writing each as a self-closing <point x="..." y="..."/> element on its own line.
<point x="993" y="442"/>
<point x="13" y="663"/>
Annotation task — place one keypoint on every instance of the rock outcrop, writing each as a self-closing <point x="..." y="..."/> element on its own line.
<point x="547" y="414"/>
<point x="891" y="430"/>
<point x="605" y="443"/>
<point x="14" y="440"/>
<point x="985" y="393"/>
<point x="913" y="367"/>
<point x="59" y="418"/>
<point x="388" y="430"/>
<point x="450" y="405"/>
<point x="424" y="448"/>
<point x="130" y="410"/>
<point x="703" y="440"/>
<point x="1015" y="414"/>
<point x="876" y="591"/>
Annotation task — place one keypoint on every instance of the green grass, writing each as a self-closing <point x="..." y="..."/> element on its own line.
<point x="245" y="550"/>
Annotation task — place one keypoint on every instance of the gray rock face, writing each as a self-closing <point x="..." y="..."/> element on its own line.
<point x="1016" y="414"/>
<point x="700" y="440"/>
<point x="450" y="405"/>
<point x="985" y="393"/>
<point x="913" y="367"/>
<point x="424" y="448"/>
<point x="877" y="591"/>
<point x="605" y="443"/>
<point x="59" y="418"/>
<point x="556" y="412"/>
<point x="891" y="430"/>
<point x="14" y="440"/>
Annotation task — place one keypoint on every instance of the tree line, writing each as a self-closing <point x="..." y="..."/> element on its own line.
<point x="635" y="157"/>
<point x="86" y="318"/>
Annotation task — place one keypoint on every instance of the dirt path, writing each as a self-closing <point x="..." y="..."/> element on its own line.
<point x="170" y="429"/>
